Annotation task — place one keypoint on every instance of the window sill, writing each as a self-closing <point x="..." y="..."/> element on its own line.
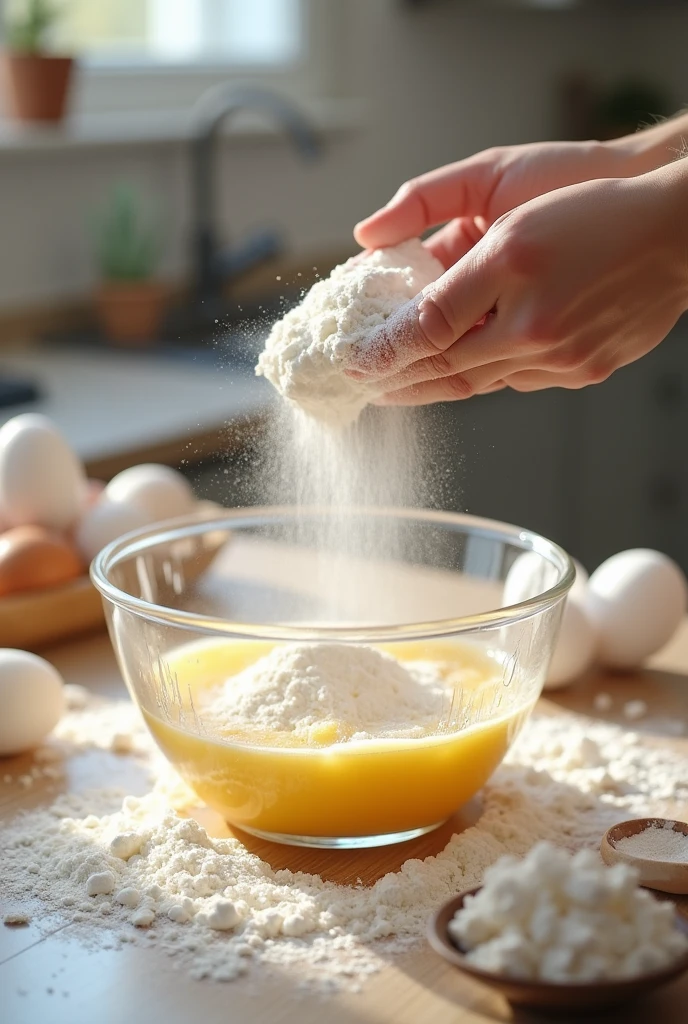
<point x="158" y="127"/>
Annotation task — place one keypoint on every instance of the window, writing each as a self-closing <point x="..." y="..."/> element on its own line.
<point x="246" y="33"/>
<point x="142" y="57"/>
<point x="138" y="56"/>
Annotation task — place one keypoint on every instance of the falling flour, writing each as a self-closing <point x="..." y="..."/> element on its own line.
<point x="159" y="878"/>
<point x="307" y="351"/>
<point x="327" y="692"/>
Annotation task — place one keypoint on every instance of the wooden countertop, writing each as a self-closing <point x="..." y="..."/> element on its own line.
<point x="140" y="986"/>
<point x="118" y="408"/>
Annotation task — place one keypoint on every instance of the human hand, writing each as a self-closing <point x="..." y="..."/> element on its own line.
<point x="575" y="284"/>
<point x="472" y="194"/>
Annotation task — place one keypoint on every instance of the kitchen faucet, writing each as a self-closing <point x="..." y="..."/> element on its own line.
<point x="215" y="264"/>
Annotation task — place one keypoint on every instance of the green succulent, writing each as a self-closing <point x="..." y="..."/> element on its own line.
<point x="28" y="25"/>
<point x="127" y="238"/>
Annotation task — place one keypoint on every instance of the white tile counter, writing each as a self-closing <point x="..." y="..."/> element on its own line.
<point x="117" y="409"/>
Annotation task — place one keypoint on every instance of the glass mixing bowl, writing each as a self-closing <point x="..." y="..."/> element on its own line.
<point x="472" y="605"/>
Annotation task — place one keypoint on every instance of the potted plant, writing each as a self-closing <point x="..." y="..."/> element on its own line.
<point x="36" y="83"/>
<point x="130" y="300"/>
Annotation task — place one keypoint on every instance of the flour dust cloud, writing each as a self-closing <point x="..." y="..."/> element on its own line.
<point x="329" y="448"/>
<point x="376" y="462"/>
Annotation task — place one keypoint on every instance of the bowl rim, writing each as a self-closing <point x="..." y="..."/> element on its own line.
<point x="137" y="541"/>
<point x="438" y="937"/>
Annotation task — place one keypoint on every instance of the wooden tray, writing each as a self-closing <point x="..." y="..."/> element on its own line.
<point x="33" y="620"/>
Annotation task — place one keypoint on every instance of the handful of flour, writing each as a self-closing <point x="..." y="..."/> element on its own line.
<point x="307" y="352"/>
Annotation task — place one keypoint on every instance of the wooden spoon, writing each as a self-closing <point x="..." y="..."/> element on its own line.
<point x="664" y="875"/>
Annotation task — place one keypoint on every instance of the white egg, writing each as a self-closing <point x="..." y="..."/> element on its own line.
<point x="637" y="600"/>
<point x="104" y="522"/>
<point x="209" y="508"/>
<point x="529" y="576"/>
<point x="576" y="645"/>
<point x="32" y="700"/>
<point x="580" y="585"/>
<point x="160" y="491"/>
<point x="41" y="479"/>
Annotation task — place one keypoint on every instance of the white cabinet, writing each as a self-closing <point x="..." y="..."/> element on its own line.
<point x="633" y="465"/>
<point x="597" y="470"/>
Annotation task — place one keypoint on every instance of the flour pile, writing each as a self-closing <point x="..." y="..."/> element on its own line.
<point x="306" y="352"/>
<point x="160" y="879"/>
<point x="561" y="919"/>
<point x="329" y="692"/>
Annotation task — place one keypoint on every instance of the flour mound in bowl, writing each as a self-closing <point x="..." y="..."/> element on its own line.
<point x="307" y="351"/>
<point x="330" y="692"/>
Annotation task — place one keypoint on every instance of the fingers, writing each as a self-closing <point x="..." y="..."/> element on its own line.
<point x="449" y="389"/>
<point x="536" y="380"/>
<point x="429" y="324"/>
<point x="445" y="364"/>
<point x="455" y="239"/>
<point x="457" y="190"/>
<point x="571" y="380"/>
<point x="358" y="258"/>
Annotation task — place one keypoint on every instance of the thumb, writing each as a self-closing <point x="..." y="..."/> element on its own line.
<point x="431" y="322"/>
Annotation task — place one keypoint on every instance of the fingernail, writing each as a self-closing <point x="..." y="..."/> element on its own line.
<point x="433" y="324"/>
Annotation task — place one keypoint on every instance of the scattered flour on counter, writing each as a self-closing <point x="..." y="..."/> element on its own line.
<point x="16" y="920"/>
<point x="95" y="721"/>
<point x="635" y="709"/>
<point x="330" y="692"/>
<point x="306" y="352"/>
<point x="603" y="702"/>
<point x="91" y="722"/>
<point x="222" y="912"/>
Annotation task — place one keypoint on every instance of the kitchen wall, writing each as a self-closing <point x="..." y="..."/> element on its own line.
<point x="437" y="84"/>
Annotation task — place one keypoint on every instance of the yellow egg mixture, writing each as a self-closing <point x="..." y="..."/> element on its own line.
<point x="272" y="782"/>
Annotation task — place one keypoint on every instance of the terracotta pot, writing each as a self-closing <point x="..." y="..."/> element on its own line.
<point x="131" y="312"/>
<point x="36" y="86"/>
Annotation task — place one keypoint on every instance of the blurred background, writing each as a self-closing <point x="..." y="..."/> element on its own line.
<point x="174" y="172"/>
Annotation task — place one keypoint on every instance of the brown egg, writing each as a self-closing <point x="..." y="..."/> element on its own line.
<point x="33" y="558"/>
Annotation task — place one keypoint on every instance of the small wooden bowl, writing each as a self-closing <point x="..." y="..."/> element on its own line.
<point x="664" y="875"/>
<point x="545" y="995"/>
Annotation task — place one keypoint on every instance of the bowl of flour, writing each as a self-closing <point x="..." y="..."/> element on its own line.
<point x="349" y="669"/>
<point x="333" y="677"/>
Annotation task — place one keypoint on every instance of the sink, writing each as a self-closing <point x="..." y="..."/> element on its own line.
<point x="17" y="391"/>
